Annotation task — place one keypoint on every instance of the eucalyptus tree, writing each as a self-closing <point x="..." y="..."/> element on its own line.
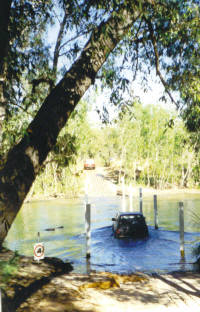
<point x="61" y="173"/>
<point x="156" y="154"/>
<point x="161" y="34"/>
<point x="4" y="42"/>
<point x="23" y="54"/>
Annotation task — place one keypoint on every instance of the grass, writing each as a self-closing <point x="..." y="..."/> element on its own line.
<point x="8" y="268"/>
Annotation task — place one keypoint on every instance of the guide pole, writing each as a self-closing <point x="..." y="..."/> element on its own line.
<point x="140" y="199"/>
<point x="123" y="195"/>
<point x="88" y="267"/>
<point x="88" y="229"/>
<point x="86" y="191"/>
<point x="130" y="198"/>
<point x="181" y="228"/>
<point x="155" y="211"/>
<point x="38" y="237"/>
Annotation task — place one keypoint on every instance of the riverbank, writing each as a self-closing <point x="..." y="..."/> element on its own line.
<point x="50" y="286"/>
<point x="21" y="276"/>
<point x="101" y="182"/>
<point x="100" y="292"/>
<point x="146" y="193"/>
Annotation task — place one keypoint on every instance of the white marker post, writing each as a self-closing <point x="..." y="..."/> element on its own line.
<point x="86" y="191"/>
<point x="130" y="198"/>
<point x="123" y="195"/>
<point x="155" y="211"/>
<point x="181" y="228"/>
<point x="140" y="199"/>
<point x="88" y="229"/>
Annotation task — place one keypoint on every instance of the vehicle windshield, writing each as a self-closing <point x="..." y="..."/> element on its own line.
<point x="128" y="219"/>
<point x="131" y="217"/>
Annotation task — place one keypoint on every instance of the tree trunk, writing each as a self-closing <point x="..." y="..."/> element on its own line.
<point x="4" y="44"/>
<point x="55" y="184"/>
<point x="58" y="43"/>
<point x="26" y="158"/>
<point x="148" y="173"/>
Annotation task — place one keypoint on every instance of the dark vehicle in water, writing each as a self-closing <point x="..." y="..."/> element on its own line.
<point x="130" y="225"/>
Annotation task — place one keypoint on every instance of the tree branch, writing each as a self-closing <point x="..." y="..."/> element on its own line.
<point x="26" y="158"/>
<point x="78" y="35"/>
<point x="58" y="42"/>
<point x="158" y="72"/>
<point x="36" y="82"/>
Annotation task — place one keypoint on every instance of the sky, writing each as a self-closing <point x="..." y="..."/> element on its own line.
<point x="152" y="96"/>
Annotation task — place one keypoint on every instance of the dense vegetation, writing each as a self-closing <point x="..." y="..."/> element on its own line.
<point x="101" y="42"/>
<point x="148" y="144"/>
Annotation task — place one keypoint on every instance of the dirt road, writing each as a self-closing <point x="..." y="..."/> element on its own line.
<point x="98" y="293"/>
<point x="97" y="184"/>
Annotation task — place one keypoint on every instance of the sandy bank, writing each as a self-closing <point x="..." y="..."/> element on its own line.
<point x="49" y="287"/>
<point x="100" y="292"/>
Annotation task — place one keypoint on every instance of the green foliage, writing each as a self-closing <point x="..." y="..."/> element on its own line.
<point x="28" y="54"/>
<point x="165" y="36"/>
<point x="191" y="113"/>
<point x="148" y="144"/>
<point x="13" y="130"/>
<point x="62" y="171"/>
<point x="149" y="151"/>
<point x="8" y="269"/>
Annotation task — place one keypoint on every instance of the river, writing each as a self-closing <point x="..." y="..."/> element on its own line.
<point x="158" y="253"/>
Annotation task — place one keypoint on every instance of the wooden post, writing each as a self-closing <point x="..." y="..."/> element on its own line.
<point x="88" y="228"/>
<point x="181" y="228"/>
<point x="130" y="198"/>
<point x="155" y="211"/>
<point x="140" y="191"/>
<point x="123" y="195"/>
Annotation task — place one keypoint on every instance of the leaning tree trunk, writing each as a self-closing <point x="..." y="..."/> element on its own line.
<point x="4" y="44"/>
<point x="26" y="158"/>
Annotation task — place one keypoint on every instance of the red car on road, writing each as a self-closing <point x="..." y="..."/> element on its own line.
<point x="89" y="164"/>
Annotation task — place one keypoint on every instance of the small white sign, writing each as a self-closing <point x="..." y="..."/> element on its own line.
<point x="39" y="251"/>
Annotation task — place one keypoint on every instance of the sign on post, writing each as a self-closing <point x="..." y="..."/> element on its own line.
<point x="39" y="251"/>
